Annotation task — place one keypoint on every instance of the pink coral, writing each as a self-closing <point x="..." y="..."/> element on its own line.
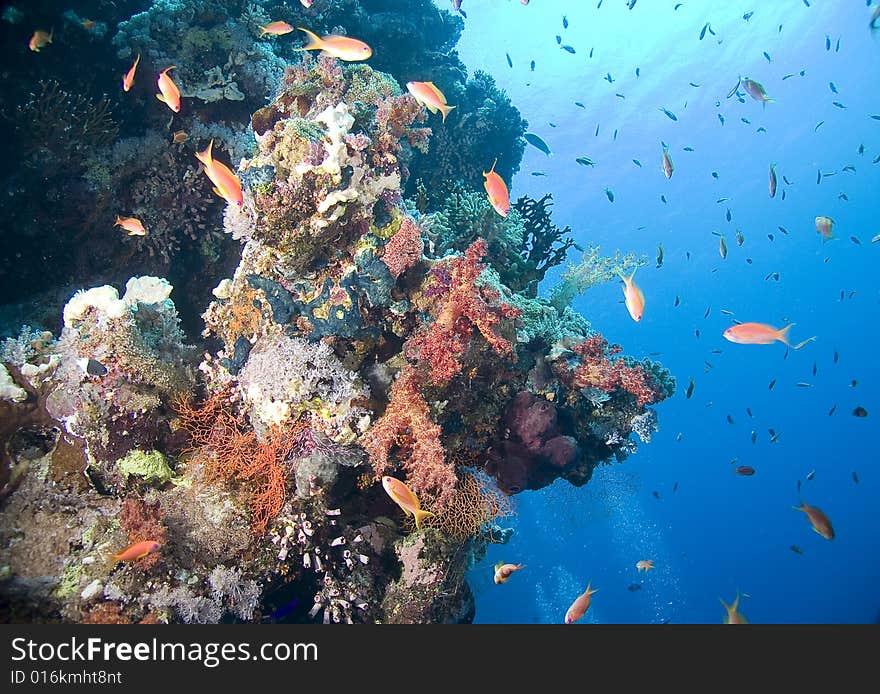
<point x="597" y="370"/>
<point x="407" y="424"/>
<point x="465" y="306"/>
<point x="404" y="249"/>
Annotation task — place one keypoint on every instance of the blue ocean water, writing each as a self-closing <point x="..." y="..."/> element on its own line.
<point x="677" y="500"/>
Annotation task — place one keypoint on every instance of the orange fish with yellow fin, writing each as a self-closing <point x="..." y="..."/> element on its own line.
<point x="404" y="497"/>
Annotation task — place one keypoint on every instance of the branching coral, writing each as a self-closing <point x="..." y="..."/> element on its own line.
<point x="60" y="130"/>
<point x="593" y="269"/>
<point x="407" y="425"/>
<point x="473" y="508"/>
<point x="230" y="451"/>
<point x="463" y="307"/>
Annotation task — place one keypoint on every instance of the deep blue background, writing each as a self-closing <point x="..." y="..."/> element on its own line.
<point x="719" y="532"/>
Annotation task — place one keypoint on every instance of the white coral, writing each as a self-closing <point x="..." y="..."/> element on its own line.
<point x="104" y="299"/>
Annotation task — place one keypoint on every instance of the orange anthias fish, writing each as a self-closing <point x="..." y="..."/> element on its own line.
<point x="733" y="616"/>
<point x="645" y="564"/>
<point x="40" y="39"/>
<point x="276" y="29"/>
<point x="761" y="334"/>
<point x="427" y="94"/>
<point x="131" y="224"/>
<point x="503" y="571"/>
<point x="137" y="551"/>
<point x="496" y="189"/>
<point x="633" y="297"/>
<point x="824" y="226"/>
<point x="817" y="519"/>
<point x="668" y="166"/>
<point x="128" y="77"/>
<point x="580" y="605"/>
<point x="342" y="47"/>
<point x="306" y="3"/>
<point x="226" y="184"/>
<point x="170" y="93"/>
<point x="404" y="497"/>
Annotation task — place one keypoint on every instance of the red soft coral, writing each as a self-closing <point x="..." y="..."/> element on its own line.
<point x="597" y="370"/>
<point x="407" y="424"/>
<point x="463" y="308"/>
<point x="404" y="249"/>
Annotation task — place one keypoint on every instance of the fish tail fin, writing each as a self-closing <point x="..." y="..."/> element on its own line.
<point x="206" y="156"/>
<point x="804" y="342"/>
<point x="118" y="221"/>
<point x="419" y="514"/>
<point x="445" y="109"/>
<point x="590" y="590"/>
<point x="263" y="32"/>
<point x="802" y="507"/>
<point x="314" y="41"/>
<point x="486" y="173"/>
<point x="161" y="98"/>
<point x="782" y="334"/>
<point x="625" y="279"/>
<point x="165" y="71"/>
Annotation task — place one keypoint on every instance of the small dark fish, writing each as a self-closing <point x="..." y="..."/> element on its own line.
<point x="728" y="214"/>
<point x="772" y="276"/>
<point x="610" y="194"/>
<point x="767" y="56"/>
<point x="552" y="125"/>
<point x="746" y="121"/>
<point x="607" y="77"/>
<point x="597" y="130"/>
<point x="721" y="118"/>
<point x="749" y="412"/>
<point x="855" y="240"/>
<point x="578" y="103"/>
<point x="730" y="420"/>
<point x="697" y="333"/>
<point x="679" y="437"/>
<point x="95" y="368"/>
<point x="660" y="255"/>
<point x="815" y="368"/>
<point x="833" y="87"/>
<point x="853" y="383"/>
<point x="676" y="302"/>
<point x="772" y="383"/>
<point x="833" y="408"/>
<point x="564" y="22"/>
<point x="803" y="384"/>
<point x="787" y="182"/>
<point x="876" y="159"/>
<point x="688" y="149"/>
<point x="532" y="66"/>
<point x="537" y="142"/>
<point x="773" y="436"/>
<point x="591" y="52"/>
<point x="782" y="229"/>
<point x="638" y="71"/>
<point x="876" y="117"/>
<point x="796" y="549"/>
<point x="785" y="77"/>
<point x="538" y="173"/>
<point x="675" y="487"/>
<point x="754" y="436"/>
<point x="693" y="84"/>
<point x="836" y="356"/>
<point x="690" y="390"/>
<point x="818" y="177"/>
<point x="619" y="96"/>
<point x="614" y="137"/>
<point x="509" y="61"/>
<point x="637" y="163"/>
<point x="848" y="167"/>
<point x="810" y="475"/>
<point x="706" y="314"/>
<point x="558" y="39"/>
<point x="837" y="46"/>
<point x="799" y="486"/>
<point x="585" y="161"/>
<point x="663" y="198"/>
<point x="827" y="42"/>
<point x="771" y="237"/>
<point x="861" y="149"/>
<point x="703" y="31"/>
<point x="838" y="104"/>
<point x="860" y="412"/>
<point x="633" y="587"/>
<point x="669" y="114"/>
<point x="818" y="125"/>
<point x="715" y="175"/>
<point x="568" y="48"/>
<point x="740" y="239"/>
<point x="745" y="470"/>
<point x="656" y="494"/>
<point x="748" y="15"/>
<point x="855" y="477"/>
<point x="761" y="129"/>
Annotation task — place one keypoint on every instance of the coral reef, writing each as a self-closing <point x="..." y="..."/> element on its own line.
<point x="355" y="338"/>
